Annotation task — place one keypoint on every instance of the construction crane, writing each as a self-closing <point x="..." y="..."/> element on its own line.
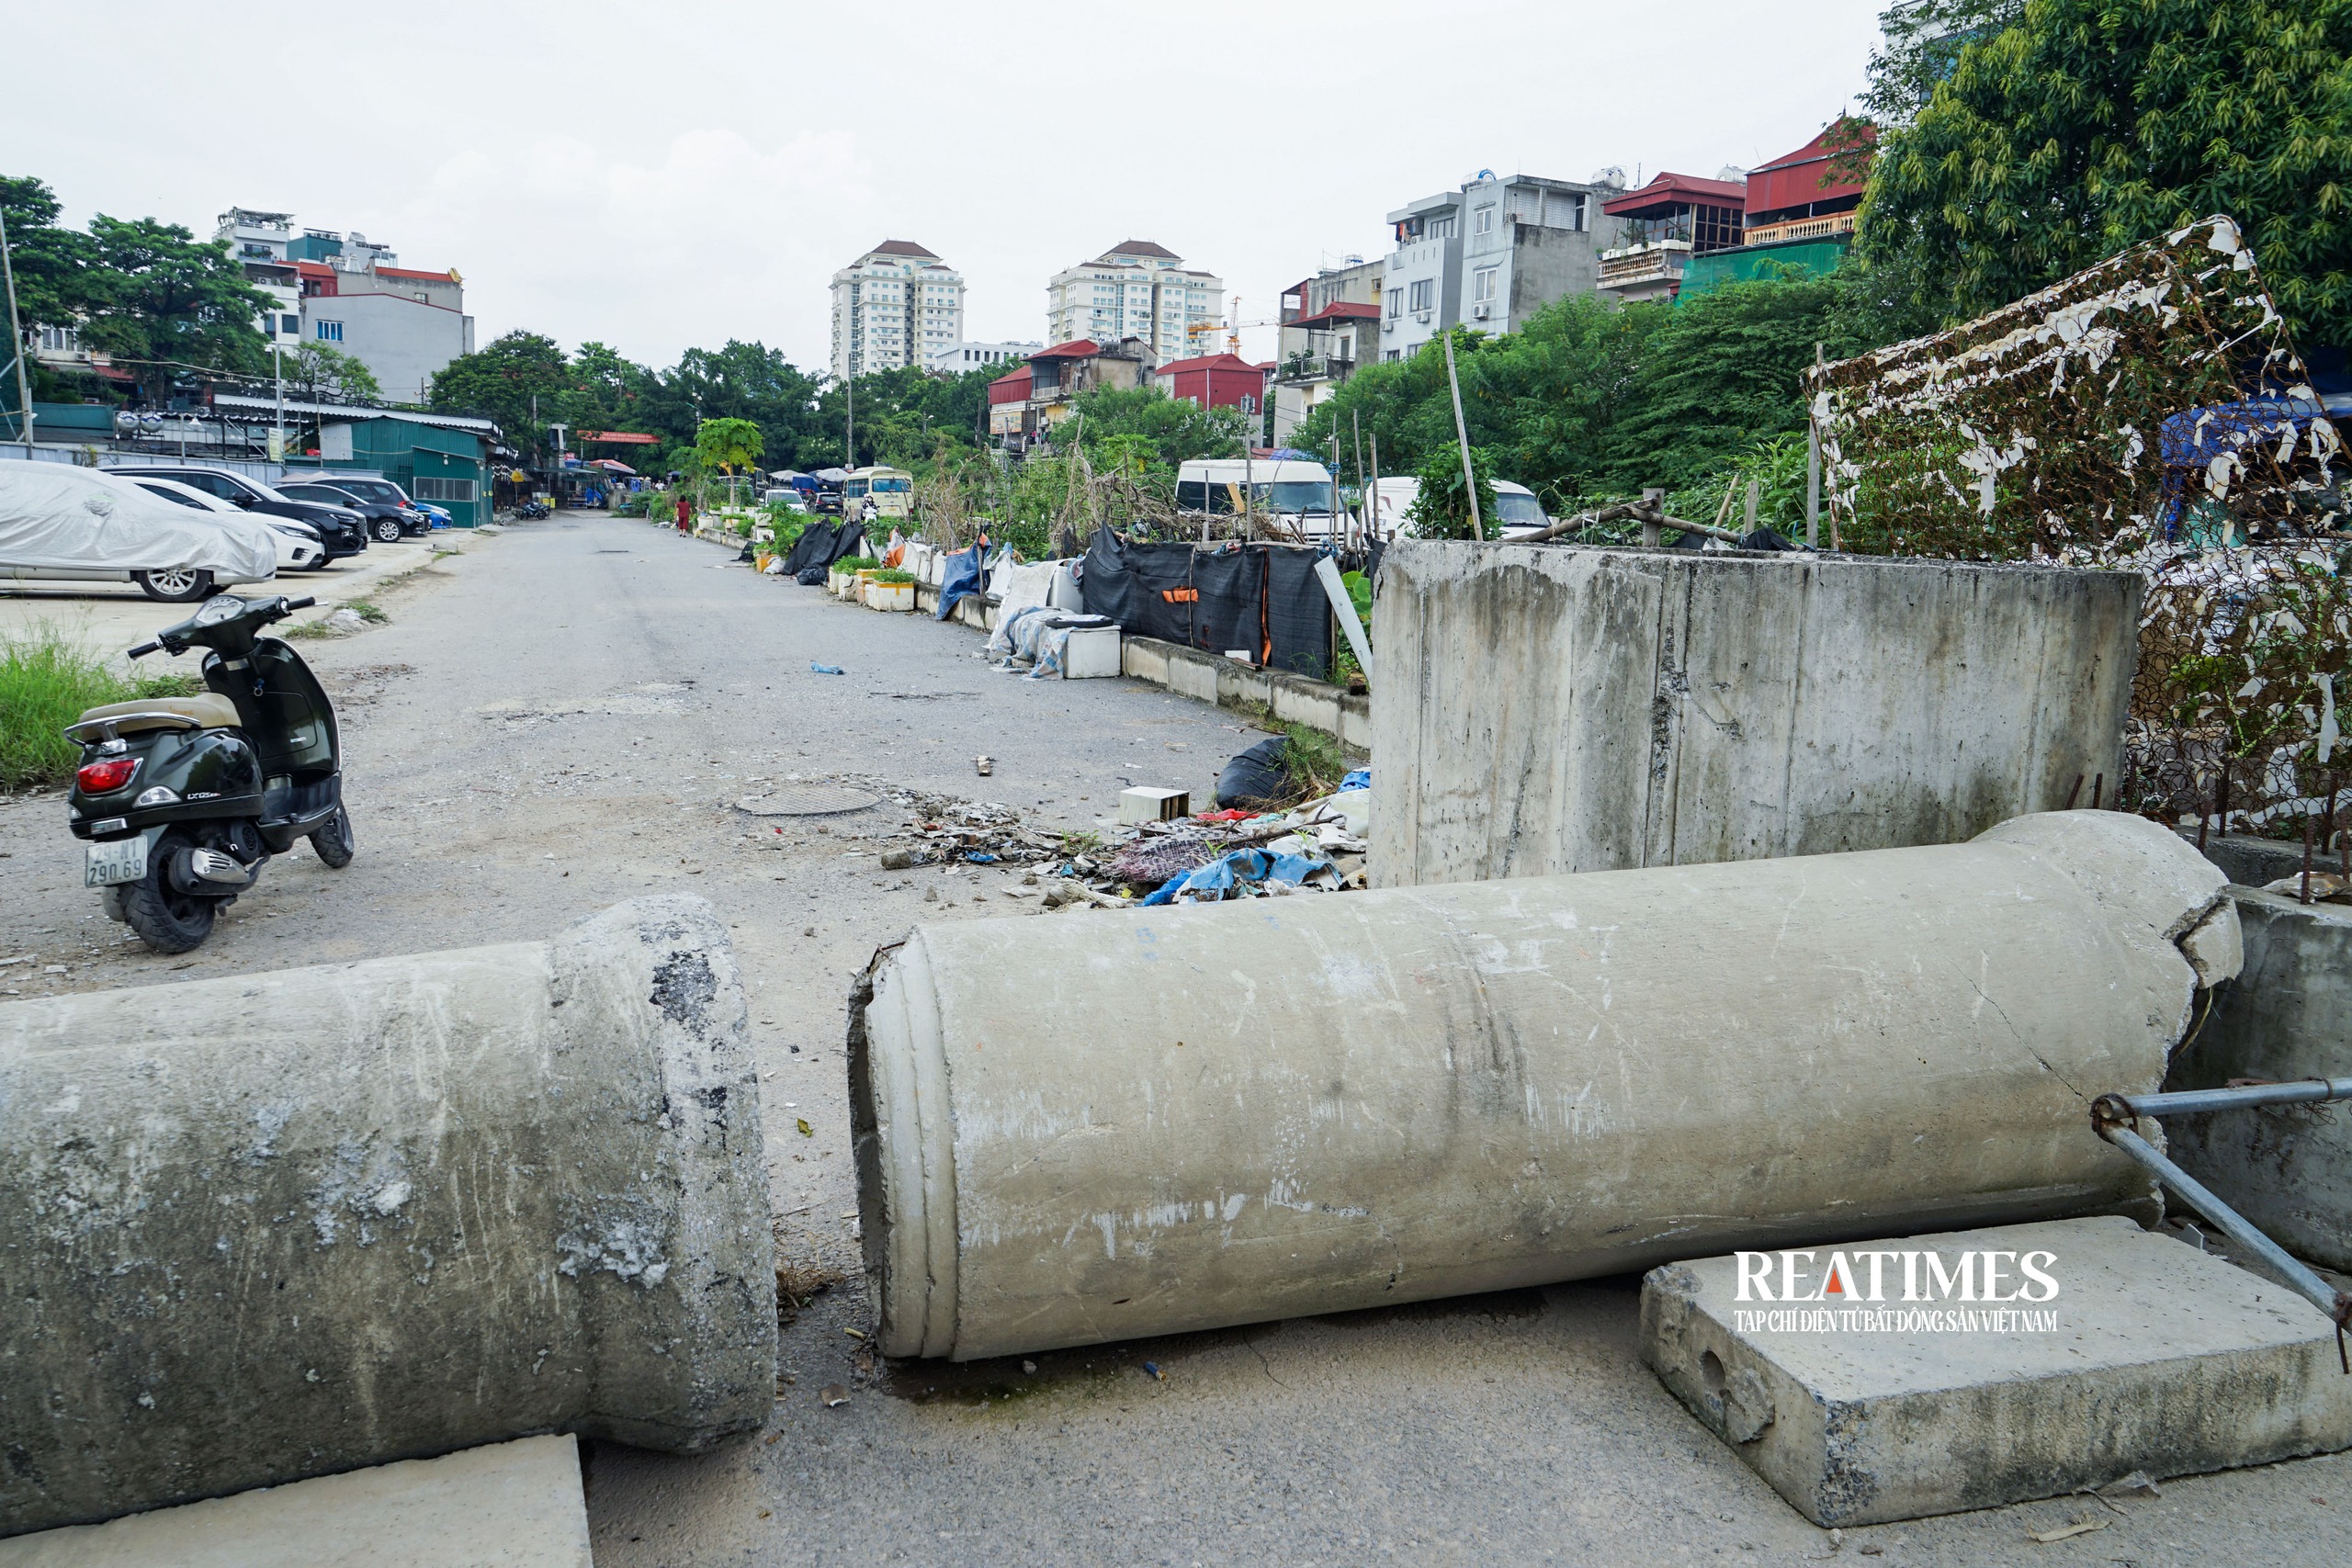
<point x="1230" y="328"/>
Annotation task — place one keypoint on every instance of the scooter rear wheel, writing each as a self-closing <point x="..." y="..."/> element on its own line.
<point x="166" y="919"/>
<point x="333" y="839"/>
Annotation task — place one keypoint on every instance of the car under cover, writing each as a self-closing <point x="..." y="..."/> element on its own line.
<point x="59" y="517"/>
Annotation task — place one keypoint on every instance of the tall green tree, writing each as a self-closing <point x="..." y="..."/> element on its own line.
<point x="506" y="379"/>
<point x="52" y="264"/>
<point x="320" y="371"/>
<point x="160" y="297"/>
<point x="2087" y="126"/>
<point x="1120" y="426"/>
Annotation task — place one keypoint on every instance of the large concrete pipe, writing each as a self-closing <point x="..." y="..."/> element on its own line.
<point x="264" y="1227"/>
<point x="1187" y="1118"/>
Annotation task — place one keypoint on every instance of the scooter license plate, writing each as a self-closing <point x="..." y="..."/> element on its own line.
<point x="118" y="860"/>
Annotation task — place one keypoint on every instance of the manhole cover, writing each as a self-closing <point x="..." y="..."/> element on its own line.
<point x="807" y="800"/>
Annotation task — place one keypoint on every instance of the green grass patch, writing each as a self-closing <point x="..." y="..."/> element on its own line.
<point x="888" y="574"/>
<point x="1313" y="761"/>
<point x="46" y="682"/>
<point x="365" y="609"/>
<point x="852" y="564"/>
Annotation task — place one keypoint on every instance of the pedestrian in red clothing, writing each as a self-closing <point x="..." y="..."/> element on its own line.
<point x="685" y="512"/>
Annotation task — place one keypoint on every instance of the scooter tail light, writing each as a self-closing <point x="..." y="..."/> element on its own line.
<point x="105" y="776"/>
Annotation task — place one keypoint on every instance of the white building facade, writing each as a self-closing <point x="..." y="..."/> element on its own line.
<point x="1490" y="254"/>
<point x="956" y="358"/>
<point x="895" y="307"/>
<point x="1137" y="289"/>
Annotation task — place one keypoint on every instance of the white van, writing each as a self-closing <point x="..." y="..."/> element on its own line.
<point x="1520" y="513"/>
<point x="1292" y="497"/>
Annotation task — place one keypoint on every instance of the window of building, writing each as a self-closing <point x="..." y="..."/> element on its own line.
<point x="1483" y="220"/>
<point x="1483" y="280"/>
<point x="1395" y="303"/>
<point x="329" y="331"/>
<point x="290" y="325"/>
<point x="1424" y="293"/>
<point x="428" y="488"/>
<point x="1441" y="227"/>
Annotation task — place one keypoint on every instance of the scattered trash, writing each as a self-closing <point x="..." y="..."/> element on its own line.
<point x="2137" y="1481"/>
<point x="854" y="1332"/>
<point x="806" y="1130"/>
<point x="1360" y="778"/>
<point x="826" y="669"/>
<point x="984" y="765"/>
<point x="2327" y="887"/>
<point x="1029" y="1369"/>
<point x="1151" y="1370"/>
<point x="2080" y="1527"/>
<point x="1241" y="872"/>
<point x="834" y="1395"/>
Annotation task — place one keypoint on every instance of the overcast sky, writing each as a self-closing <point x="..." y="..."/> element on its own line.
<point x="670" y="175"/>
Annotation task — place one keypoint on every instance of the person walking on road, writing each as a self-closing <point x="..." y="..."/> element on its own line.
<point x="685" y="512"/>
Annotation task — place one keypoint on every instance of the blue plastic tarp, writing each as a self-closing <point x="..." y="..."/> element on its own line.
<point x="1229" y="875"/>
<point x="963" y="577"/>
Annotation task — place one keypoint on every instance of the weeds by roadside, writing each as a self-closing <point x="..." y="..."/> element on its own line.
<point x="368" y="611"/>
<point x="1313" y="761"/>
<point x="46" y="681"/>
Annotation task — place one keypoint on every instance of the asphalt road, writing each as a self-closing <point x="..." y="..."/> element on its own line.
<point x="564" y="716"/>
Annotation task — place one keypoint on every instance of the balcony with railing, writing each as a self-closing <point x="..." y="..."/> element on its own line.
<point x="1824" y="228"/>
<point x="1656" y="261"/>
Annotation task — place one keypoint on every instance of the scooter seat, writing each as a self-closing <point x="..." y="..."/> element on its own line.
<point x="209" y="710"/>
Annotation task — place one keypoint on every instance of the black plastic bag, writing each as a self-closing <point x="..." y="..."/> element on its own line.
<point x="1255" y="777"/>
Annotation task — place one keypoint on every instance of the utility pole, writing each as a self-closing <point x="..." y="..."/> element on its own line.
<point x="1813" y="461"/>
<point x="16" y="338"/>
<point x="849" y="430"/>
<point x="1462" y="436"/>
<point x="278" y="430"/>
<point x="1363" y="496"/>
<point x="1374" y="524"/>
<point x="559" y="430"/>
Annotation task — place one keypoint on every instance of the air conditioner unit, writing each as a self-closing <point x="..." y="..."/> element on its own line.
<point x="1481" y="309"/>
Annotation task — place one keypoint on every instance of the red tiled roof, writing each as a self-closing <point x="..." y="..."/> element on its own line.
<point x="1669" y="189"/>
<point x="313" y="269"/>
<point x="404" y="272"/>
<point x="1339" y="311"/>
<point x="901" y="248"/>
<point x="1075" y="348"/>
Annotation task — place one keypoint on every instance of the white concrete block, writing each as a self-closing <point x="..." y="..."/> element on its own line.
<point x="1093" y="653"/>
<point x="1145" y="804"/>
<point x="514" y="1504"/>
<point x="2154" y="1357"/>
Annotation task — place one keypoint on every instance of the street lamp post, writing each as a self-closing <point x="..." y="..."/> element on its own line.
<point x="17" y="337"/>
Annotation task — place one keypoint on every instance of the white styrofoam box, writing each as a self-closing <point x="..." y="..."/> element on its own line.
<point x="1148" y="805"/>
<point x="1092" y="652"/>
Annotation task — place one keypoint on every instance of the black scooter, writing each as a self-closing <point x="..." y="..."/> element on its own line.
<point x="184" y="799"/>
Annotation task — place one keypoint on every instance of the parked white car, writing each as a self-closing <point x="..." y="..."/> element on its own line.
<point x="1295" y="498"/>
<point x="62" y="522"/>
<point x="1522" y="512"/>
<point x="298" y="543"/>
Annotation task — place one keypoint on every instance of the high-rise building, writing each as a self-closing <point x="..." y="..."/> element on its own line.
<point x="893" y="306"/>
<point x="1136" y="291"/>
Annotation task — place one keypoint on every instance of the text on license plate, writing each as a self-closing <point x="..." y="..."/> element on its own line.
<point x="119" y="860"/>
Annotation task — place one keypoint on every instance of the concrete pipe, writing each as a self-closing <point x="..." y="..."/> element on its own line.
<point x="1183" y="1119"/>
<point x="264" y="1227"/>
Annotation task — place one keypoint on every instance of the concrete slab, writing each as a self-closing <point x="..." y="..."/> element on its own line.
<point x="514" y="1504"/>
<point x="2150" y="1356"/>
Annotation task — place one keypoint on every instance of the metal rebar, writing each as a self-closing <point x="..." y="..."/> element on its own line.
<point x="2299" y="1279"/>
<point x="2189" y="1102"/>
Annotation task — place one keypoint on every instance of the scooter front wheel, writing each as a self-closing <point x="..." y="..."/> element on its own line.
<point x="166" y="919"/>
<point x="334" y="838"/>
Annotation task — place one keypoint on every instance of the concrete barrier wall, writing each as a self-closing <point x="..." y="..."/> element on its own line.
<point x="2288" y="1015"/>
<point x="270" y="1227"/>
<point x="1541" y="709"/>
<point x="1234" y="1112"/>
<point x="1213" y="678"/>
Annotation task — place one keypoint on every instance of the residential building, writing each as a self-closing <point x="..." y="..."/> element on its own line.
<point x="1800" y="212"/>
<point x="1490" y="254"/>
<point x="1136" y="289"/>
<point x="1025" y="404"/>
<point x="1330" y="325"/>
<point x="1667" y="222"/>
<point x="958" y="358"/>
<point x="1214" y="381"/>
<point x="1421" y="278"/>
<point x="402" y="324"/>
<point x="895" y="307"/>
